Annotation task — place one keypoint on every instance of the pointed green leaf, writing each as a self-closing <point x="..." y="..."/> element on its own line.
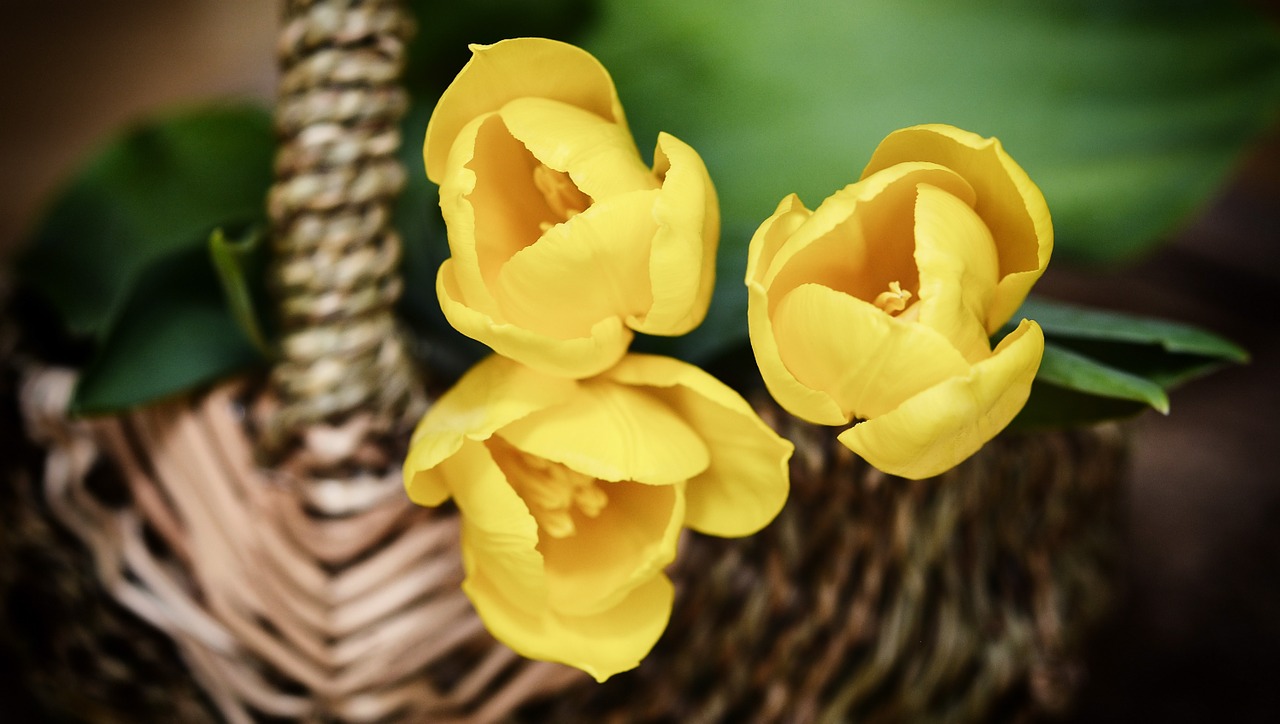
<point x="173" y="333"/>
<point x="240" y="264"/>
<point x="1059" y="319"/>
<point x="160" y="187"/>
<point x="1065" y="368"/>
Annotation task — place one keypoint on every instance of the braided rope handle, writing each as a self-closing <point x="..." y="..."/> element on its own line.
<point x="334" y="249"/>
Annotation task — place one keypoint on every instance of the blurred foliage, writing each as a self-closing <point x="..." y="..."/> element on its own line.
<point x="173" y="333"/>
<point x="163" y="185"/>
<point x="1126" y="113"/>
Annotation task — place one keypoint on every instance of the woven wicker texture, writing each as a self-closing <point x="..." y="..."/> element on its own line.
<point x="275" y="610"/>
<point x="335" y="251"/>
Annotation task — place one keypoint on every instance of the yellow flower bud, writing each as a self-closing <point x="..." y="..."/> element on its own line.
<point x="563" y="242"/>
<point x="876" y="308"/>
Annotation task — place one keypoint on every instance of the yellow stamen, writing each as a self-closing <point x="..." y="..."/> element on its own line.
<point x="894" y="300"/>
<point x="560" y="192"/>
<point x="550" y="490"/>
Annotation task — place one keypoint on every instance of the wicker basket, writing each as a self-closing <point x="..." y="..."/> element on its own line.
<point x="258" y="535"/>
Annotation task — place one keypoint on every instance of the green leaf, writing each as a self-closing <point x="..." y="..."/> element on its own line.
<point x="161" y="187"/>
<point x="1065" y="368"/>
<point x="1102" y="365"/>
<point x="1068" y="321"/>
<point x="1127" y="114"/>
<point x="172" y="334"/>
<point x="241" y="265"/>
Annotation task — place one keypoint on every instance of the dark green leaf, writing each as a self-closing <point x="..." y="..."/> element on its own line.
<point x="1126" y="114"/>
<point x="163" y="186"/>
<point x="1064" y="368"/>
<point x="240" y="264"/>
<point x="1072" y="322"/>
<point x="172" y="334"/>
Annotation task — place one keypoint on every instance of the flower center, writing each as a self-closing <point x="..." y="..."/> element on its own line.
<point x="562" y="196"/>
<point x="550" y="490"/>
<point x="894" y="300"/>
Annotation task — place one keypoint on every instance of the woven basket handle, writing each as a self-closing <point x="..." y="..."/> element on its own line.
<point x="334" y="250"/>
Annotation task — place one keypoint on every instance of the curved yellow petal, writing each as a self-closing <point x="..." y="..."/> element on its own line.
<point x="493" y="393"/>
<point x="868" y="361"/>
<point x="613" y="432"/>
<point x="592" y="267"/>
<point x="601" y="645"/>
<point x="808" y="403"/>
<point x="511" y="69"/>
<point x="747" y="481"/>
<point x="958" y="268"/>
<point x="682" y="262"/>
<point x="1010" y="204"/>
<point x="604" y="344"/>
<point x="772" y="234"/>
<point x="945" y="424"/>
<point x="499" y="535"/>
<point x="631" y="540"/>
<point x="600" y="156"/>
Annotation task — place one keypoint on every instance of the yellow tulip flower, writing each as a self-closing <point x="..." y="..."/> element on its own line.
<point x="877" y="307"/>
<point x="573" y="494"/>
<point x="563" y="242"/>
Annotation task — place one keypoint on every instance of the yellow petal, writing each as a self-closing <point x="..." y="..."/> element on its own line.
<point x="613" y="432"/>
<point x="592" y="267"/>
<point x="867" y="360"/>
<point x="492" y="394"/>
<point x="600" y="156"/>
<point x="747" y="481"/>
<point x="517" y="68"/>
<point x="601" y="645"/>
<point x="682" y="264"/>
<point x="628" y="543"/>
<point x="957" y="262"/>
<point x="1008" y="201"/>
<point x="772" y="234"/>
<point x="808" y="403"/>
<point x="499" y="535"/>
<point x="813" y="405"/>
<point x="584" y="356"/>
<point x="945" y="424"/>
